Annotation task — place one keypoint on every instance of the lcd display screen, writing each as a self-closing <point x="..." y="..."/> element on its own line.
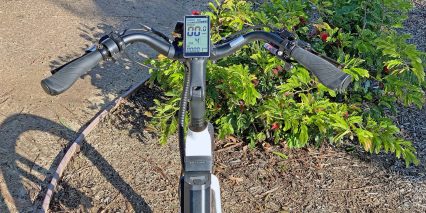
<point x="197" y="36"/>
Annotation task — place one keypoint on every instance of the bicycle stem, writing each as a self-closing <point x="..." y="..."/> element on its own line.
<point x="197" y="67"/>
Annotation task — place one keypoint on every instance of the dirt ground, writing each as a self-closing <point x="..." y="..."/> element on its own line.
<point x="38" y="35"/>
<point x="121" y="170"/>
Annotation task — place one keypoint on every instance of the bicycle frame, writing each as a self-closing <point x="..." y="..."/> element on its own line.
<point x="200" y="189"/>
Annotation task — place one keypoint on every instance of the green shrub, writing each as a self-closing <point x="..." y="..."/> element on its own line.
<point x="250" y="95"/>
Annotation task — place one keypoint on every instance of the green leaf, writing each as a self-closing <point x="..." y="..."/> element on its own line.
<point x="212" y="7"/>
<point x="365" y="137"/>
<point x="418" y="70"/>
<point x="393" y="63"/>
<point x="303" y="136"/>
<point x="281" y="155"/>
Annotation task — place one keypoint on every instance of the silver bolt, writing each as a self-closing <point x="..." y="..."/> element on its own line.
<point x="280" y="53"/>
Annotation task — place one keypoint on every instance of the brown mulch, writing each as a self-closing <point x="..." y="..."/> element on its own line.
<point x="121" y="172"/>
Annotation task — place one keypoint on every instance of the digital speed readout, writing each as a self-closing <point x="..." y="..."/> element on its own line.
<point x="197" y="36"/>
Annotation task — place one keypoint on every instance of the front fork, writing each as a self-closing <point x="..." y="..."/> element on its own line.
<point x="200" y="188"/>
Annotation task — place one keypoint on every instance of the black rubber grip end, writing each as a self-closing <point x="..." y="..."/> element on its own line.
<point x="327" y="73"/>
<point x="45" y="87"/>
<point x="66" y="75"/>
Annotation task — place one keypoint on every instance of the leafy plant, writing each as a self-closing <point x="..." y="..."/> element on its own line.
<point x="253" y="96"/>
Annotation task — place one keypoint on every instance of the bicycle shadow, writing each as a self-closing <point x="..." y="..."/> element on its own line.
<point x="25" y="180"/>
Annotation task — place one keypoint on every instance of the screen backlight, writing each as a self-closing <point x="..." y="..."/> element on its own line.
<point x="197" y="36"/>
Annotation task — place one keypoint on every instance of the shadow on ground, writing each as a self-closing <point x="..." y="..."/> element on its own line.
<point x="111" y="77"/>
<point x="114" y="77"/>
<point x="16" y="191"/>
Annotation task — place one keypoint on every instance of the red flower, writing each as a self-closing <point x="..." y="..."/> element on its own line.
<point x="255" y="82"/>
<point x="386" y="69"/>
<point x="242" y="105"/>
<point x="275" y="126"/>
<point x="275" y="71"/>
<point x="324" y="36"/>
<point x="346" y="115"/>
<point x="302" y="20"/>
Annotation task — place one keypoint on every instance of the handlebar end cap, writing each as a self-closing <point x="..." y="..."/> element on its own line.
<point x="45" y="85"/>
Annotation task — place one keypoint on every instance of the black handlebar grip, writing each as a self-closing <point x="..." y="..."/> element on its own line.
<point x="327" y="73"/>
<point x="66" y="75"/>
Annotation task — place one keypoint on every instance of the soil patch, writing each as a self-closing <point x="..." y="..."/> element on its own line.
<point x="119" y="172"/>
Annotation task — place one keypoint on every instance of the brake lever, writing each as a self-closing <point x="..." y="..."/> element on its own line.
<point x="290" y="37"/>
<point x="288" y="62"/>
<point x="156" y="32"/>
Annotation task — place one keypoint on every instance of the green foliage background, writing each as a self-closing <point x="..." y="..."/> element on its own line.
<point x="251" y="96"/>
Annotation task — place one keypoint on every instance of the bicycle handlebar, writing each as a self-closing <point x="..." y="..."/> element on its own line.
<point x="66" y="75"/>
<point x="235" y="44"/>
<point x="64" y="78"/>
<point x="327" y="73"/>
<point x="158" y="45"/>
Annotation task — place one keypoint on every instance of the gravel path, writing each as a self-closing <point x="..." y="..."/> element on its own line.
<point x="411" y="120"/>
<point x="416" y="24"/>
